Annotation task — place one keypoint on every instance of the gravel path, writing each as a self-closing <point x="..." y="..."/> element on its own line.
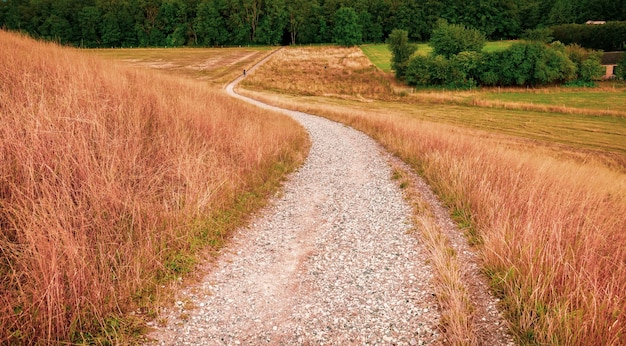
<point x="330" y="262"/>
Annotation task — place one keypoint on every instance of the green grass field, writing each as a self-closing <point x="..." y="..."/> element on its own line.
<point x="380" y="55"/>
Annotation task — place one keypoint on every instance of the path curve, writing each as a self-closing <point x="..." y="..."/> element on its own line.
<point x="330" y="262"/>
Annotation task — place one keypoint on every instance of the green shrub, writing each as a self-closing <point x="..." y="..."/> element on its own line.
<point x="488" y="69"/>
<point x="457" y="72"/>
<point x="347" y="31"/>
<point x="553" y="66"/>
<point x="450" y="39"/>
<point x="401" y="51"/>
<point x="464" y="69"/>
<point x="588" y="63"/>
<point x="418" y="71"/>
<point x="527" y="63"/>
<point x="524" y="63"/>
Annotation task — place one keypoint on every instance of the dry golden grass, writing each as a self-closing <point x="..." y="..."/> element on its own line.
<point x="216" y="66"/>
<point x="110" y="179"/>
<point x="457" y="309"/>
<point x="325" y="71"/>
<point x="550" y="227"/>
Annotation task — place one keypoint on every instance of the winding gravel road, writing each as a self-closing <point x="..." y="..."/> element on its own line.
<point x="330" y="262"/>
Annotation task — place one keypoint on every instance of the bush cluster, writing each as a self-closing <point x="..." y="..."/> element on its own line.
<point x="608" y="37"/>
<point x="449" y="39"/>
<point x="526" y="63"/>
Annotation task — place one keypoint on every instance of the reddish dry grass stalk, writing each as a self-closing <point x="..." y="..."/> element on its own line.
<point x="107" y="174"/>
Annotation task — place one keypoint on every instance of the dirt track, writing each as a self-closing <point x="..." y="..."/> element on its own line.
<point x="331" y="261"/>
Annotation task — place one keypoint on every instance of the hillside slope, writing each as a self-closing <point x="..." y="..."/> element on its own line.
<point x="110" y="179"/>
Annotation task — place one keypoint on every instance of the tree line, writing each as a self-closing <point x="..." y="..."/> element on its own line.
<point x="131" y="23"/>
<point x="457" y="60"/>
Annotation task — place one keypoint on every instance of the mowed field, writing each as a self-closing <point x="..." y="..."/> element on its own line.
<point x="541" y="192"/>
<point x="115" y="181"/>
<point x="213" y="65"/>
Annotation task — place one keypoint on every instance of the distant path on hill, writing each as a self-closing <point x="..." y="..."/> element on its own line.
<point x="331" y="261"/>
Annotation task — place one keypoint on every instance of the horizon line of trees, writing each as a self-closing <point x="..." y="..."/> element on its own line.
<point x="131" y="23"/>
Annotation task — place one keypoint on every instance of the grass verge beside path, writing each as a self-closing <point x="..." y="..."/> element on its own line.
<point x="113" y="182"/>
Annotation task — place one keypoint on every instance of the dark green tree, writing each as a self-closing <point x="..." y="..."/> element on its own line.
<point x="173" y="23"/>
<point x="347" y="30"/>
<point x="147" y="24"/>
<point x="401" y="51"/>
<point x="450" y="39"/>
<point x="272" y="23"/>
<point x="298" y="14"/>
<point x="111" y="32"/>
<point x="89" y="19"/>
<point x="372" y="29"/>
<point x="564" y="12"/>
<point x="411" y="16"/>
<point x="209" y="23"/>
<point x="252" y="10"/>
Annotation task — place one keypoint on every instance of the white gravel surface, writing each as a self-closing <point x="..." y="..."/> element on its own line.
<point x="330" y="262"/>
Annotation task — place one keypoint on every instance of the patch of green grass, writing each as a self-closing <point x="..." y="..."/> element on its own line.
<point x="424" y="49"/>
<point x="496" y="46"/>
<point x="379" y="55"/>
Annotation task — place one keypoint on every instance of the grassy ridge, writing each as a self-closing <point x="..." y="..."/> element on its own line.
<point x="549" y="228"/>
<point x="111" y="180"/>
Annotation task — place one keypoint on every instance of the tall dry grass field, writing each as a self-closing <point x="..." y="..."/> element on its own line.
<point x="109" y="179"/>
<point x="550" y="228"/>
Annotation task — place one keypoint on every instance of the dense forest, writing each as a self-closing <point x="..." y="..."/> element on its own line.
<point x="131" y="23"/>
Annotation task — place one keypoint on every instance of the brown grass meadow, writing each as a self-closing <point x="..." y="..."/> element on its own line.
<point x="111" y="181"/>
<point x="544" y="208"/>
